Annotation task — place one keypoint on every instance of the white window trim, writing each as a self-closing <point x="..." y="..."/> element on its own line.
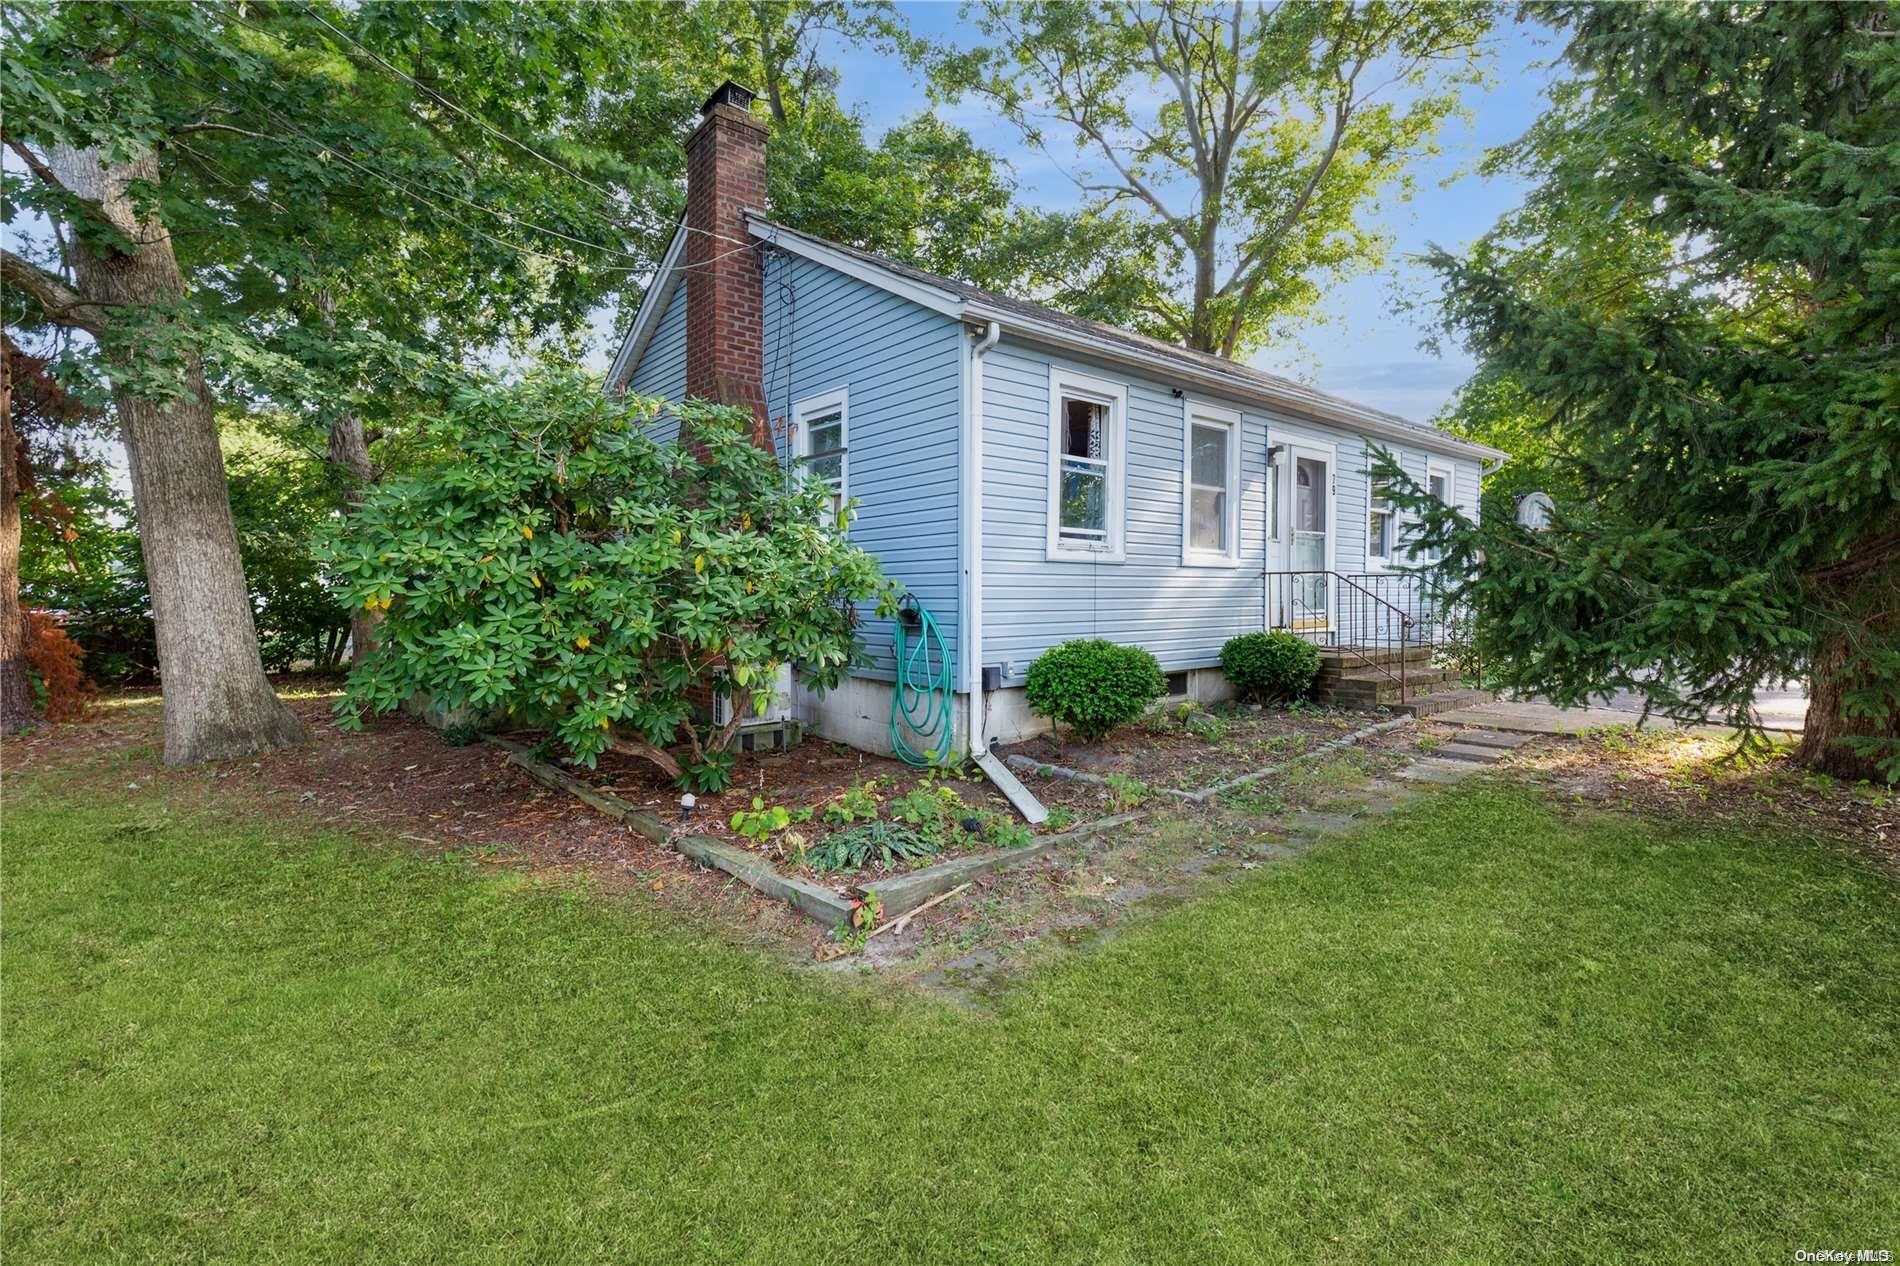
<point x="1115" y="396"/>
<point x="1394" y="531"/>
<point x="839" y="399"/>
<point x="1434" y="467"/>
<point x="1199" y="412"/>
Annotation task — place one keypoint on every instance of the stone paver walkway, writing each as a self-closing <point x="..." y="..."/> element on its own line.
<point x="976" y="976"/>
<point x="1545" y="718"/>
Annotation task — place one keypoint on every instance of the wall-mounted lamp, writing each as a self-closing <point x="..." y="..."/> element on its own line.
<point x="1178" y="393"/>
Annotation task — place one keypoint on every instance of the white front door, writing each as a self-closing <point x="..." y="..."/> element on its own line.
<point x="1306" y="510"/>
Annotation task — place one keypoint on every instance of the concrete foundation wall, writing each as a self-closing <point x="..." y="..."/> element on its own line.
<point x="858" y="712"/>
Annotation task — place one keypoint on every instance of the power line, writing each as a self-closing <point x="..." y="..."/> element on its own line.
<point x="321" y="148"/>
<point x="445" y="99"/>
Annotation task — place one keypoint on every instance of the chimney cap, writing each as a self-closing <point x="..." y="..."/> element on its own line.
<point x="729" y="93"/>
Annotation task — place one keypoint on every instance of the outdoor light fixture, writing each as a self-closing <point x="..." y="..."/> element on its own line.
<point x="687" y="802"/>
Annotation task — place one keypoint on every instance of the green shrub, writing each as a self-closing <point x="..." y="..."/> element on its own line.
<point x="1093" y="686"/>
<point x="1270" y="666"/>
<point x="564" y="566"/>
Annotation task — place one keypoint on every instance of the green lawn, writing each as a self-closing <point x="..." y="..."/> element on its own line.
<point x="1475" y="1032"/>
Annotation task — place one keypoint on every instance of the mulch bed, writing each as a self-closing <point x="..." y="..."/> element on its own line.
<point x="1162" y="752"/>
<point x="813" y="775"/>
<point x="397" y="776"/>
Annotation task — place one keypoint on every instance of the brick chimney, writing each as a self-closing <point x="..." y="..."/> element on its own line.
<point x="725" y="278"/>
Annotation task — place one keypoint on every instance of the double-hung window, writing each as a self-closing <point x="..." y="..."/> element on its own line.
<point x="1210" y="513"/>
<point x="1438" y="483"/>
<point x="1087" y="418"/>
<point x="1381" y="526"/>
<point x="819" y="444"/>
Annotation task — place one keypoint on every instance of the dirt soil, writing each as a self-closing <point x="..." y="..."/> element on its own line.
<point x="1163" y="751"/>
<point x="812" y="775"/>
<point x="1702" y="776"/>
<point x="397" y="776"/>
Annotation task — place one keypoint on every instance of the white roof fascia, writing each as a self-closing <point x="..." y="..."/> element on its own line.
<point x="1317" y="407"/>
<point x="659" y="293"/>
<point x="1313" y="405"/>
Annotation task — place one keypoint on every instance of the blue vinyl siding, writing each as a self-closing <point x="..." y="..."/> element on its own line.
<point x="902" y="365"/>
<point x="1182" y="614"/>
<point x="662" y="368"/>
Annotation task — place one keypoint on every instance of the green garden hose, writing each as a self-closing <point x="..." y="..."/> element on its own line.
<point x="923" y="698"/>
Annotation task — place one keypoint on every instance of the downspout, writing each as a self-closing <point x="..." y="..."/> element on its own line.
<point x="977" y="736"/>
<point x="973" y="538"/>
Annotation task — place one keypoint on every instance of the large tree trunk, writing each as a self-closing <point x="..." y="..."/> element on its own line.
<point x="1827" y="724"/>
<point x="349" y="449"/>
<point x="218" y="704"/>
<point x="16" y="700"/>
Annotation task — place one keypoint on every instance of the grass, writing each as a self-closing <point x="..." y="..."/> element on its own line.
<point x="1487" y="1033"/>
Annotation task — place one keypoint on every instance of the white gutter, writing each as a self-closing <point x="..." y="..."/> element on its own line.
<point x="1316" y="406"/>
<point x="1312" y="405"/>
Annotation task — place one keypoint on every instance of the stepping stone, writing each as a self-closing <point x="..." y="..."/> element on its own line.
<point x="1312" y="823"/>
<point x="1493" y="738"/>
<point x="1436" y="771"/>
<point x="1471" y="753"/>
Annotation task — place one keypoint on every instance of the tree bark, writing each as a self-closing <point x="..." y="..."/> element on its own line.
<point x="218" y="704"/>
<point x="16" y="698"/>
<point x="1831" y="677"/>
<point x="349" y="450"/>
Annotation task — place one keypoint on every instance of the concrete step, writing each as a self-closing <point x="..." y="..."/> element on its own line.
<point x="1376" y="677"/>
<point x="1444" y="701"/>
<point x="1373" y="655"/>
<point x="1383" y="693"/>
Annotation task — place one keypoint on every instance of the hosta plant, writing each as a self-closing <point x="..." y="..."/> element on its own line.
<point x="566" y="568"/>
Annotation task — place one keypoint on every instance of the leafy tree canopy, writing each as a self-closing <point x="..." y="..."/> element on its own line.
<point x="1243" y="192"/>
<point x="1698" y="308"/>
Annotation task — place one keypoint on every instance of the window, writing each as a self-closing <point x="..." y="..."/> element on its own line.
<point x="1085" y="467"/>
<point x="1210" y="529"/>
<point x="819" y="444"/>
<point x="1438" y="483"/>
<point x="1380" y="526"/>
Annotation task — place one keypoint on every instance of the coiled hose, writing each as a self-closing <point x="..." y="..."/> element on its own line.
<point x="923" y="698"/>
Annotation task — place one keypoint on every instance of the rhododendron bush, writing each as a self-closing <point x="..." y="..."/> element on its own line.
<point x="566" y="568"/>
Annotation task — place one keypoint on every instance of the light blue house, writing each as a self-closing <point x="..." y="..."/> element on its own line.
<point x="1029" y="476"/>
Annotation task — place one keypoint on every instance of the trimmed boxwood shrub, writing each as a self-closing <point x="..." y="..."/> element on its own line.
<point x="1092" y="686"/>
<point x="1270" y="666"/>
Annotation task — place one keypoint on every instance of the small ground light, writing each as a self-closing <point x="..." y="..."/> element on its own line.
<point x="687" y="802"/>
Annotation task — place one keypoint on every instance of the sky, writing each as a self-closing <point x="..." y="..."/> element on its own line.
<point x="1366" y="347"/>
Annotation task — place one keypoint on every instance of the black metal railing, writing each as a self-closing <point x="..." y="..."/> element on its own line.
<point x="1388" y="622"/>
